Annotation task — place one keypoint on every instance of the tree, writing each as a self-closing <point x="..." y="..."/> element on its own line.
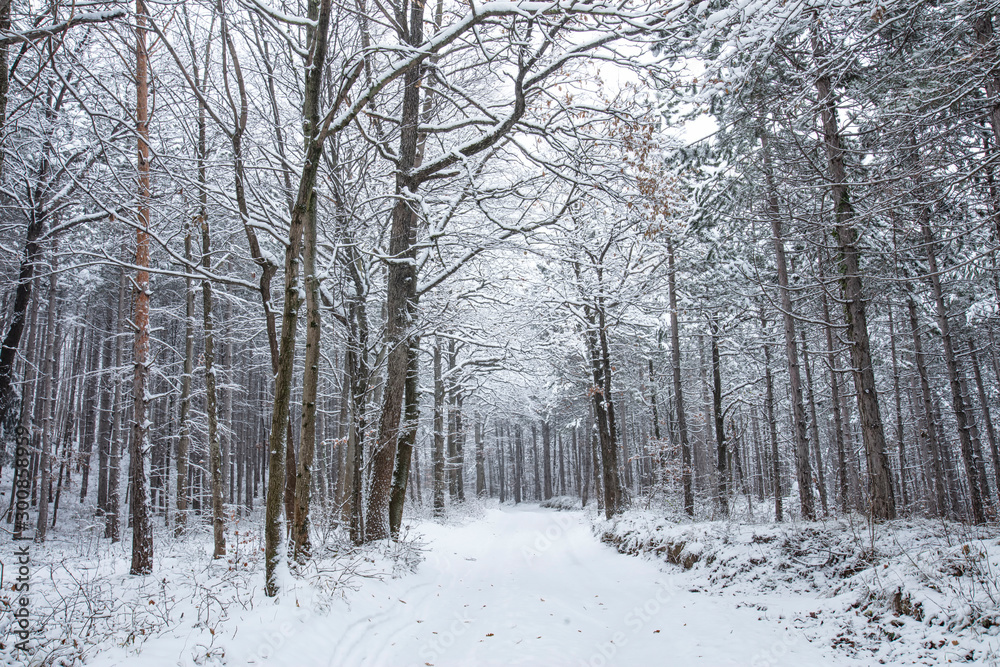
<point x="802" y="467"/>
<point x="142" y="531"/>
<point x="304" y="207"/>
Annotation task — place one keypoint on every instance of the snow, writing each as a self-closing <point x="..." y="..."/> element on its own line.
<point x="527" y="585"/>
<point x="904" y="592"/>
<point x="562" y="503"/>
<point x="517" y="586"/>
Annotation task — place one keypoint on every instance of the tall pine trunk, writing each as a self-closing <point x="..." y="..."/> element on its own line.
<point x="835" y="400"/>
<point x="142" y="530"/>
<point x="184" y="416"/>
<point x="772" y="423"/>
<point x="720" y="431"/>
<point x="987" y="417"/>
<point x="803" y="471"/>
<point x="814" y="428"/>
<point x="48" y="407"/>
<point x="22" y="473"/>
<point x="208" y="330"/>
<point x="925" y="393"/>
<point x="900" y="436"/>
<point x="882" y="502"/>
<point x="962" y="416"/>
<point x="675" y="362"/>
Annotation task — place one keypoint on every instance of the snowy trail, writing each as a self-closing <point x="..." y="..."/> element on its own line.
<point x="529" y="586"/>
<point x="519" y="586"/>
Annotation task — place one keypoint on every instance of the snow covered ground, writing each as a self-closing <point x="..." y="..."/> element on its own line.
<point x="902" y="592"/>
<point x="514" y="586"/>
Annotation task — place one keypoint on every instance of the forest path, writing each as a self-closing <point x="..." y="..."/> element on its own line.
<point x="529" y="586"/>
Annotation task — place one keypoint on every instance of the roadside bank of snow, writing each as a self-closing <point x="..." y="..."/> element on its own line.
<point x="903" y="592"/>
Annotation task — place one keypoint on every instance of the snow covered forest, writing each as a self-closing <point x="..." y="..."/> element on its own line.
<point x="666" y="313"/>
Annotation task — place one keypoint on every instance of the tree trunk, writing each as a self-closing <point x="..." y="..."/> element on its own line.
<point x="720" y="431"/>
<point x="266" y="266"/>
<point x="835" y="399"/>
<point x="987" y="417"/>
<point x="900" y="438"/>
<point x="500" y="464"/>
<point x="48" y="406"/>
<point x="319" y="11"/>
<point x="536" y="477"/>
<point x="184" y="419"/>
<point x="480" y="459"/>
<point x="404" y="452"/>
<point x="814" y="422"/>
<point x="803" y="472"/>
<point x="229" y="483"/>
<point x="958" y="400"/>
<point x="208" y="327"/>
<point x="953" y="481"/>
<point x="451" y="391"/>
<point x="675" y="357"/>
<point x="701" y="455"/>
<point x="21" y="484"/>
<point x="71" y="407"/>
<point x="310" y="381"/>
<point x="112" y="522"/>
<point x="772" y="423"/>
<point x="547" y="458"/>
<point x="585" y="467"/>
<point x="562" y="463"/>
<point x="400" y="286"/>
<point x="977" y="449"/>
<point x="437" y="454"/>
<point x="925" y="389"/>
<point x="104" y="415"/>
<point x="982" y="26"/>
<point x="89" y="398"/>
<point x="459" y="448"/>
<point x="881" y="497"/>
<point x="604" y="416"/>
<point x="142" y="530"/>
<point x="516" y="459"/>
<point x="22" y="297"/>
<point x="356" y="358"/>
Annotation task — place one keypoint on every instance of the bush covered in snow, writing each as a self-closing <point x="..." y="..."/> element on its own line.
<point x="84" y="603"/>
<point x="564" y="503"/>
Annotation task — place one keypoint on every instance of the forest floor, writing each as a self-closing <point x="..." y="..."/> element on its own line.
<point x="910" y="591"/>
<point x="511" y="586"/>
